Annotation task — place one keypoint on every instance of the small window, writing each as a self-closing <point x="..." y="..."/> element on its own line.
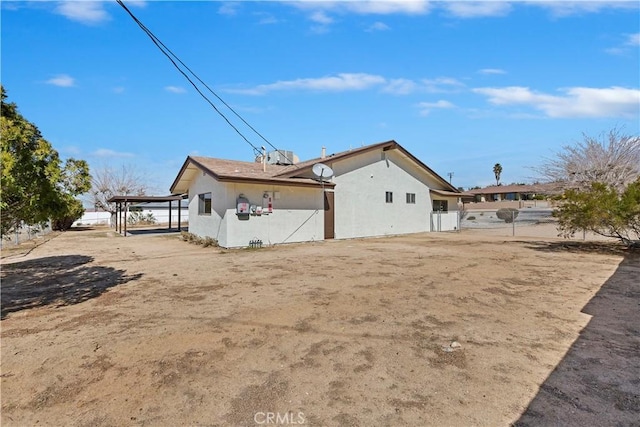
<point x="440" y="205"/>
<point x="204" y="204"/>
<point x="389" y="197"/>
<point x="411" y="198"/>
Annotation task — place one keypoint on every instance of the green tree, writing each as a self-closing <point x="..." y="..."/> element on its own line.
<point x="497" y="170"/>
<point x="34" y="187"/>
<point x="601" y="209"/>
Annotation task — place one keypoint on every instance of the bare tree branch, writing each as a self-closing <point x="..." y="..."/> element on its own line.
<point x="612" y="159"/>
<point x="107" y="182"/>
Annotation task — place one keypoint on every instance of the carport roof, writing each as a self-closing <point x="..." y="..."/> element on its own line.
<point x="140" y="199"/>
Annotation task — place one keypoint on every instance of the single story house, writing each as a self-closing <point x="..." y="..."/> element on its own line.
<point x="375" y="190"/>
<point x="497" y="193"/>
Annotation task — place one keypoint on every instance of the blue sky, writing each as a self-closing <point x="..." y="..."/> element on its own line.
<point x="462" y="85"/>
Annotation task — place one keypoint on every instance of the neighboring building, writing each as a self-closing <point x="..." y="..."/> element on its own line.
<point x="158" y="210"/>
<point x="498" y="193"/>
<point x="376" y="190"/>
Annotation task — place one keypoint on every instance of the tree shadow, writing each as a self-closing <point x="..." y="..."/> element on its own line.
<point x="605" y="248"/>
<point x="598" y="380"/>
<point x="56" y="280"/>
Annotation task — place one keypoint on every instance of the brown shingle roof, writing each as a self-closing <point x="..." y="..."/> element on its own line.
<point x="237" y="171"/>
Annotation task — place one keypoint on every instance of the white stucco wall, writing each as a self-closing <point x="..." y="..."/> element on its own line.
<point x="360" y="204"/>
<point x="297" y="213"/>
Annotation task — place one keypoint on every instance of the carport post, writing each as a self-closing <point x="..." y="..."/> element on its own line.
<point x="125" y="219"/>
<point x="179" y="211"/>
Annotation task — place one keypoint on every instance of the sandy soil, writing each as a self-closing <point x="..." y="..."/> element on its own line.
<point x="102" y="330"/>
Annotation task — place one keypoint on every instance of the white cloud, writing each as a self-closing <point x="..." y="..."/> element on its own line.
<point x="630" y="41"/>
<point x="62" y="80"/>
<point x="318" y="10"/>
<point x="442" y="84"/>
<point x="175" y="89"/>
<point x="633" y="39"/>
<point x="476" y="9"/>
<point x="107" y="153"/>
<point x="567" y="8"/>
<point x="266" y="18"/>
<point x="366" y="7"/>
<point x="427" y="107"/>
<point x="118" y="89"/>
<point x="575" y="102"/>
<point x="409" y="7"/>
<point x="87" y="12"/>
<point x="229" y="8"/>
<point x="377" y="26"/>
<point x="400" y="87"/>
<point x="492" y="71"/>
<point x="136" y="3"/>
<point x="320" y="17"/>
<point x="338" y="83"/>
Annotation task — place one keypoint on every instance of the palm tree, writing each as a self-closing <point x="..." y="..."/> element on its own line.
<point x="497" y="170"/>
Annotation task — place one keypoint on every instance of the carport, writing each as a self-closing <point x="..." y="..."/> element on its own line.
<point x="123" y="202"/>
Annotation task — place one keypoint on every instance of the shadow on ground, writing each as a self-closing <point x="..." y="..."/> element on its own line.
<point x="56" y="280"/>
<point x="598" y="380"/>
<point x="153" y="231"/>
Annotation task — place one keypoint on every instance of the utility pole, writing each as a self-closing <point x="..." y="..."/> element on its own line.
<point x="450" y="176"/>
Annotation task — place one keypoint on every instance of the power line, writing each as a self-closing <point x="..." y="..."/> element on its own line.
<point x="174" y="58"/>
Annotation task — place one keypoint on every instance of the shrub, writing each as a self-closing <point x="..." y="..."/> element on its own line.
<point x="508" y="215"/>
<point x="209" y="241"/>
<point x="471" y="218"/>
<point x="197" y="240"/>
<point x="138" y="218"/>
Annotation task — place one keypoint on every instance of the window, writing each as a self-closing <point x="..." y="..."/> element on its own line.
<point x="411" y="198"/>
<point x="440" y="205"/>
<point x="389" y="197"/>
<point x="204" y="204"/>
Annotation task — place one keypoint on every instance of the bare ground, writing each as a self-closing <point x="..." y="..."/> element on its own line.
<point x="102" y="330"/>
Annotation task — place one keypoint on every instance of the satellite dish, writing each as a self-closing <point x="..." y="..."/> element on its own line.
<point x="322" y="171"/>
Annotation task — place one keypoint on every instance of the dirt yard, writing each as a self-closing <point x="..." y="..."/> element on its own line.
<point x="460" y="329"/>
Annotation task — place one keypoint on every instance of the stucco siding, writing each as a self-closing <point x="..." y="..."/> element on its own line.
<point x="207" y="225"/>
<point x="360" y="196"/>
<point x="297" y="213"/>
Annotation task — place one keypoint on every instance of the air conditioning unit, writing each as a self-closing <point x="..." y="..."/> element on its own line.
<point x="281" y="157"/>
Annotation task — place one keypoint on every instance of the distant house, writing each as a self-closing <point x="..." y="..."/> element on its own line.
<point x="376" y="190"/>
<point x="498" y="193"/>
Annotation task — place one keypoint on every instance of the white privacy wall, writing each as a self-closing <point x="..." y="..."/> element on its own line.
<point x="361" y="184"/>
<point x="297" y="213"/>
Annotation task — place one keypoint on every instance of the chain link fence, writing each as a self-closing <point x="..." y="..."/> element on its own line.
<point x="507" y="218"/>
<point x="24" y="233"/>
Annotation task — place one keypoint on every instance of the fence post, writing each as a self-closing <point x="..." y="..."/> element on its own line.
<point x="513" y="223"/>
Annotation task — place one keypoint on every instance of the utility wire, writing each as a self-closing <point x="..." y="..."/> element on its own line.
<point x="174" y="58"/>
